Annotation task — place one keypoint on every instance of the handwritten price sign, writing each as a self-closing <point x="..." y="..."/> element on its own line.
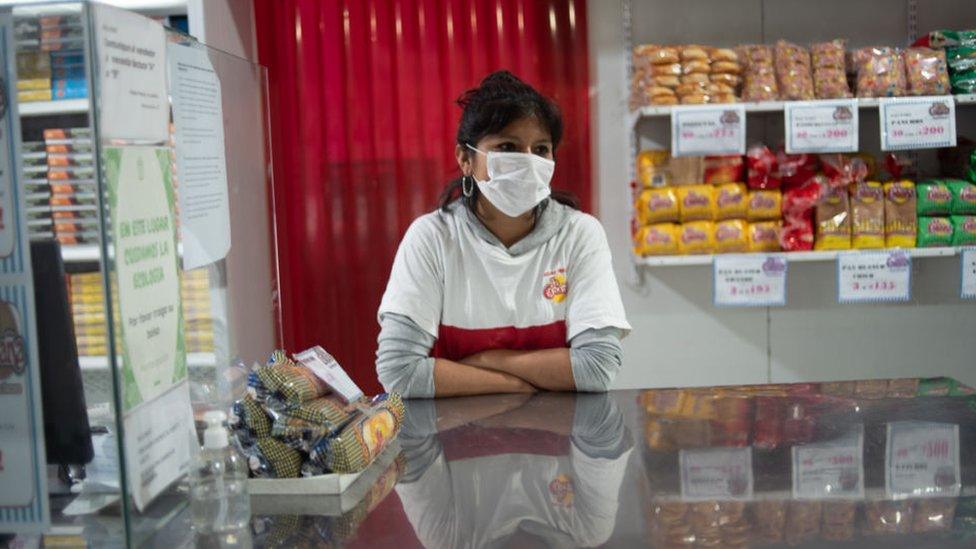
<point x="716" y="473"/>
<point x="829" y="469"/>
<point x="872" y="277"/>
<point x="821" y="126"/>
<point x="922" y="459"/>
<point x="917" y="122"/>
<point x="708" y="130"/>
<point x="754" y="280"/>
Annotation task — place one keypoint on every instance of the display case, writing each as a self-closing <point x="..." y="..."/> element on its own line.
<point x="149" y="167"/>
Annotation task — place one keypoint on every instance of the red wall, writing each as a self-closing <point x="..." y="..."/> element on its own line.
<point x="362" y="124"/>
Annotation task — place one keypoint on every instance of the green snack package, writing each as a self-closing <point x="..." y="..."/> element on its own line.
<point x="945" y="38"/>
<point x="934" y="232"/>
<point x="963" y="197"/>
<point x="934" y="198"/>
<point x="963" y="230"/>
<point x="972" y="167"/>
<point x="963" y="82"/>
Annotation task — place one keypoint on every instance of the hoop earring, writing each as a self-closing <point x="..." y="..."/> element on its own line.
<point x="467" y="186"/>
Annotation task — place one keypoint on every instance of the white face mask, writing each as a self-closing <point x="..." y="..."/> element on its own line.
<point x="517" y="182"/>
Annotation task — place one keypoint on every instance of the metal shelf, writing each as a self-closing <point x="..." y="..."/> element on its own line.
<point x="47" y="108"/>
<point x="82" y="253"/>
<point x="193" y="360"/>
<point x="774" y="106"/>
<point x="698" y="260"/>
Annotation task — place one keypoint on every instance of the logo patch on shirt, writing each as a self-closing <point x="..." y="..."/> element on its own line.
<point x="555" y="287"/>
<point x="561" y="492"/>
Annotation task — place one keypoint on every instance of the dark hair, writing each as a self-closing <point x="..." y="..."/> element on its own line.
<point x="499" y="100"/>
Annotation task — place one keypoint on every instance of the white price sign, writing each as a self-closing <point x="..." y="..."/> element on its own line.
<point x="708" y="130"/>
<point x="754" y="280"/>
<point x="830" y="469"/>
<point x="716" y="473"/>
<point x="917" y="122"/>
<point x="922" y="459"/>
<point x="968" y="276"/>
<point x="821" y="126"/>
<point x="874" y="277"/>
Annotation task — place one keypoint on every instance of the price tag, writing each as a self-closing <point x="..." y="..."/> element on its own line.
<point x="832" y="469"/>
<point x="968" y="276"/>
<point x="821" y="126"/>
<point x="716" y="473"/>
<point x="754" y="280"/>
<point x="874" y="277"/>
<point x="917" y="122"/>
<point x="708" y="130"/>
<point x="329" y="371"/>
<point x="922" y="459"/>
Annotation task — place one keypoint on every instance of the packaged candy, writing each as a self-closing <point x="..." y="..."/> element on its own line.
<point x="723" y="169"/>
<point x="764" y="236"/>
<point x="362" y="439"/>
<point x="963" y="230"/>
<point x="793" y="71"/>
<point x="731" y="201"/>
<point x="763" y="172"/>
<point x="731" y="236"/>
<point x="833" y="217"/>
<point x="880" y="72"/>
<point x="943" y="38"/>
<point x="764" y="205"/>
<point x="926" y="71"/>
<point x="657" y="206"/>
<point x="901" y="223"/>
<point x="658" y="239"/>
<point x="696" y="237"/>
<point x="934" y="232"/>
<point x="934" y="198"/>
<point x="867" y="215"/>
<point x="652" y="168"/>
<point x="963" y="196"/>
<point x="696" y="202"/>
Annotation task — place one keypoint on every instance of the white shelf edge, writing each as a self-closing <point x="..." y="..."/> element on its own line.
<point x="193" y="360"/>
<point x="774" y="106"/>
<point x="806" y="257"/>
<point x="64" y="106"/>
<point x="79" y="253"/>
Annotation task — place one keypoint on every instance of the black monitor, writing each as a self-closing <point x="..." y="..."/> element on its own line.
<point x="66" y="430"/>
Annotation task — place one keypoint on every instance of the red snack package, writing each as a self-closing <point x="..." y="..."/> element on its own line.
<point x="796" y="169"/>
<point x="798" y="204"/>
<point x="797" y="235"/>
<point x="723" y="169"/>
<point x="763" y="173"/>
<point x="899" y="166"/>
<point x="842" y="170"/>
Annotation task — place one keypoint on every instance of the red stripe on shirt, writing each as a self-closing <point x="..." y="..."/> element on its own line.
<point x="455" y="343"/>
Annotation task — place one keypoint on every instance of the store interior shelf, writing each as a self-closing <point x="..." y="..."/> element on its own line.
<point x="778" y="106"/>
<point x="193" y="360"/>
<point x="45" y="108"/>
<point x="690" y="260"/>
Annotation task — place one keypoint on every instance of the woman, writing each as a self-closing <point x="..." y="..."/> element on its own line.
<point x="504" y="288"/>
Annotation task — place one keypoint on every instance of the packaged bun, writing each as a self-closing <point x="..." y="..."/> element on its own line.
<point x="733" y="80"/>
<point x="726" y="67"/>
<point x="694" y="66"/>
<point x="696" y="78"/>
<point x="669" y="81"/>
<point x="724" y="54"/>
<point x="724" y="98"/>
<point x="693" y="53"/>
<point x="673" y="69"/>
<point x="695" y="99"/>
<point x="664" y="100"/>
<point x="660" y="90"/>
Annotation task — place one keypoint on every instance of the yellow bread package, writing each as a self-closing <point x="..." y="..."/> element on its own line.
<point x="731" y="201"/>
<point x="901" y="221"/>
<point x="657" y="239"/>
<point x="696" y="202"/>
<point x="697" y="237"/>
<point x="834" y="221"/>
<point x="657" y="206"/>
<point x="764" y="236"/>
<point x="867" y="215"/>
<point x="653" y="170"/>
<point x="764" y="205"/>
<point x="731" y="236"/>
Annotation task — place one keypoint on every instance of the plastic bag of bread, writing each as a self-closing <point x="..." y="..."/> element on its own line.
<point x="731" y="201"/>
<point x="880" y="72"/>
<point x="867" y="215"/>
<point x="793" y="71"/>
<point x="797" y="235"/>
<point x="653" y="54"/>
<point x="653" y="168"/>
<point x="696" y="237"/>
<point x="731" y="236"/>
<point x="361" y="440"/>
<point x="764" y="205"/>
<point x="926" y="71"/>
<point x="696" y="202"/>
<point x="764" y="236"/>
<point x="763" y="168"/>
<point x="723" y="169"/>
<point x="693" y="52"/>
<point x="657" y="206"/>
<point x="658" y="239"/>
<point x="901" y="221"/>
<point x="833" y="218"/>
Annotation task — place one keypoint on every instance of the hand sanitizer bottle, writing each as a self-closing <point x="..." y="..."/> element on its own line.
<point x="218" y="482"/>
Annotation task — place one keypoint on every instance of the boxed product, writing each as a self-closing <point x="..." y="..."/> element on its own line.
<point x="657" y="206"/>
<point x="764" y="236"/>
<point x="901" y="223"/>
<point x="731" y="236"/>
<point x="867" y="215"/>
<point x="934" y="232"/>
<point x="696" y="237"/>
<point x="731" y="201"/>
<point x="764" y="205"/>
<point x="696" y="202"/>
<point x="657" y="239"/>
